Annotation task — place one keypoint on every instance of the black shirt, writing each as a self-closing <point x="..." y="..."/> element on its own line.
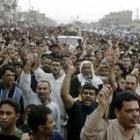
<point x="11" y="137"/>
<point x="77" y="117"/>
<point x="16" y="136"/>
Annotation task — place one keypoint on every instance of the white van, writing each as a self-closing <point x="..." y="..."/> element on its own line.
<point x="72" y="40"/>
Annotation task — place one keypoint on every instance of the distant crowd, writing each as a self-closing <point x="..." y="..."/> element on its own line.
<point x="49" y="92"/>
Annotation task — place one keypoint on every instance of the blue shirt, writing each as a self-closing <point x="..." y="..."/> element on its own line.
<point x="56" y="136"/>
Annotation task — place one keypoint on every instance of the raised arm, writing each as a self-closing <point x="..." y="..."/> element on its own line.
<point x="66" y="97"/>
<point x="38" y="61"/>
<point x="24" y="50"/>
<point x="39" y="73"/>
<point x="95" y="125"/>
<point x="111" y="77"/>
<point x="25" y="80"/>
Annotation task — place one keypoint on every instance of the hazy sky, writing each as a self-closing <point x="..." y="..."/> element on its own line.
<point x="83" y="10"/>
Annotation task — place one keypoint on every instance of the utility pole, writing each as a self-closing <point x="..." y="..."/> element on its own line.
<point x="29" y="5"/>
<point x="137" y="16"/>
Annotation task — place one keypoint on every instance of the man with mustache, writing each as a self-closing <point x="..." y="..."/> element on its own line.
<point x="124" y="127"/>
<point x="78" y="111"/>
<point x="9" y="89"/>
<point x="131" y="83"/>
<point x="55" y="78"/>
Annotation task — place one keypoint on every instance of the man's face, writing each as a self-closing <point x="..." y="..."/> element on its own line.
<point x="8" y="116"/>
<point x="118" y="72"/>
<point x="29" y="58"/>
<point x="55" y="50"/>
<point x="134" y="59"/>
<point x="126" y="62"/>
<point x="99" y="55"/>
<point x="56" y="67"/>
<point x="129" y="114"/>
<point x="43" y="60"/>
<point x="64" y="64"/>
<point x="43" y="90"/>
<point x="88" y="96"/>
<point x="5" y="55"/>
<point x="87" y="70"/>
<point x="104" y="72"/>
<point x="18" y="70"/>
<point x="49" y="127"/>
<point x="93" y="59"/>
<point x="73" y="58"/>
<point x="14" y="55"/>
<point x="47" y="64"/>
<point x="79" y="51"/>
<point x="8" y="77"/>
<point x="77" y="66"/>
<point x="33" y="49"/>
<point x="114" y="44"/>
<point x="130" y="83"/>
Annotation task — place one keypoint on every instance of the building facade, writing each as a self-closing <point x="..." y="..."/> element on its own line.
<point x="34" y="17"/>
<point x="8" y="10"/>
<point x="121" y="18"/>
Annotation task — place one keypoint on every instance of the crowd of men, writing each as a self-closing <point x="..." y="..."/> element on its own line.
<point x="49" y="92"/>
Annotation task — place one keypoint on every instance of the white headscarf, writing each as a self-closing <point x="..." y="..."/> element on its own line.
<point x="95" y="80"/>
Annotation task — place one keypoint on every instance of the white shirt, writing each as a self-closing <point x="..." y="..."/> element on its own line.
<point x="30" y="97"/>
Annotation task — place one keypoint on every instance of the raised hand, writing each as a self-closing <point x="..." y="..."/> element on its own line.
<point x="40" y="49"/>
<point x="70" y="67"/>
<point x="28" y="64"/>
<point x="105" y="96"/>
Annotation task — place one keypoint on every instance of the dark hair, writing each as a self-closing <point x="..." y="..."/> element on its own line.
<point x="54" y="45"/>
<point x="133" y="75"/>
<point x="7" y="67"/>
<point x="37" y="117"/>
<point x="120" y="65"/>
<point x="12" y="103"/>
<point x="80" y="47"/>
<point x="134" y="54"/>
<point x="30" y="106"/>
<point x="18" y="64"/>
<point x="44" y="81"/>
<point x="96" y="51"/>
<point x="46" y="56"/>
<point x="123" y="96"/>
<point x="121" y="44"/>
<point x="56" y="60"/>
<point x="105" y="67"/>
<point x="66" y="56"/>
<point x="126" y="56"/>
<point x="90" y="86"/>
<point x="79" y="60"/>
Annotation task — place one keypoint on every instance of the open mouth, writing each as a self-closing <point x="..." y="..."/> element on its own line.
<point x="87" y="102"/>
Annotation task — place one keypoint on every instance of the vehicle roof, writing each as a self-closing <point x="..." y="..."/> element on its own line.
<point x="76" y="37"/>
